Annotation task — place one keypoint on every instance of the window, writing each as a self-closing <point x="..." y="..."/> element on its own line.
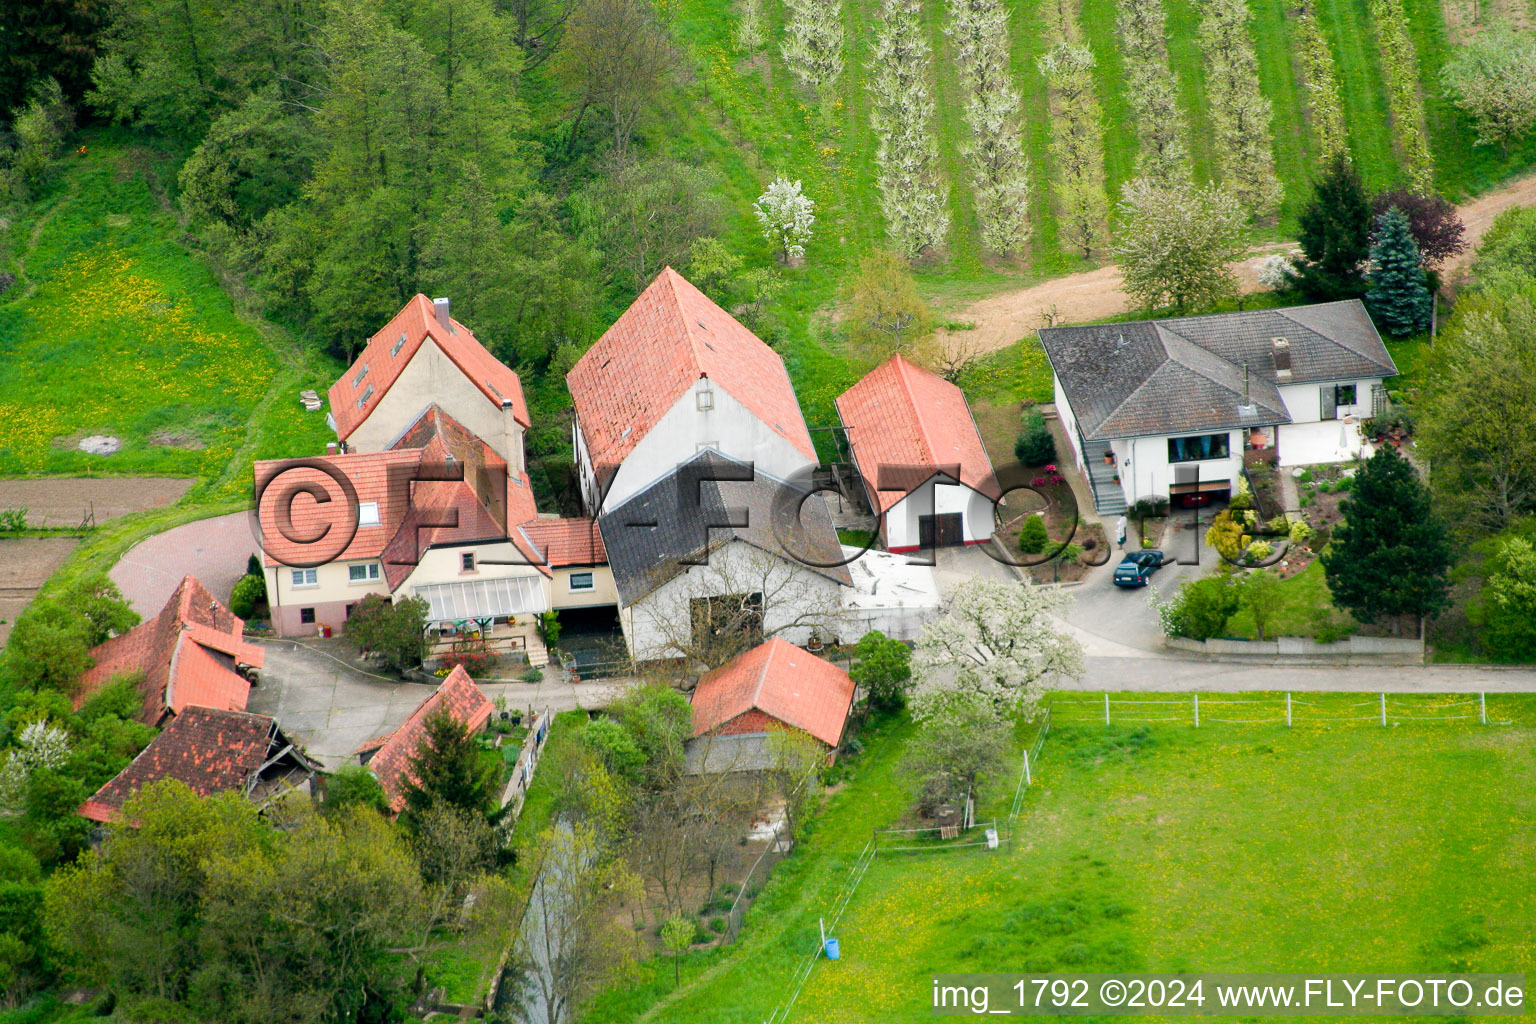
<point x="706" y="400"/>
<point x="307" y="616"/>
<point x="357" y="381"/>
<point x="368" y="513"/>
<point x="467" y="561"/>
<point x="1344" y="394"/>
<point x="1197" y="448"/>
<point x="365" y="396"/>
<point x="306" y="578"/>
<point x="365" y="573"/>
<point x="581" y="581"/>
<point x="399" y="344"/>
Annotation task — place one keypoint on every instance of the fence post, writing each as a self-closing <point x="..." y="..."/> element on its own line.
<point x="1197" y="711"/>
<point x="1287" y="710"/>
<point x="1482" y="708"/>
<point x="1383" y="709"/>
<point x="1106" y="707"/>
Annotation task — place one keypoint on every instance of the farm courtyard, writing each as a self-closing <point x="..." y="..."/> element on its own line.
<point x="1160" y="847"/>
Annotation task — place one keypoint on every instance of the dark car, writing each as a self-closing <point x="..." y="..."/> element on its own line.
<point x="1137" y="567"/>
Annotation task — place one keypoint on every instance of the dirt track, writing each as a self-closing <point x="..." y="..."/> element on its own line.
<point x="1006" y="317"/>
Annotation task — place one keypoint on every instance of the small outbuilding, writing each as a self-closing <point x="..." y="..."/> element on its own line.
<point x="211" y="750"/>
<point x="389" y="756"/>
<point x="776" y="685"/>
<point x="920" y="456"/>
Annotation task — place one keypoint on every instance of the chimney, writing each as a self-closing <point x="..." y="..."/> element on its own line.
<point x="440" y="307"/>
<point x="330" y="448"/>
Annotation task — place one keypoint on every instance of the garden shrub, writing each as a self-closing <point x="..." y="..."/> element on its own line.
<point x="1032" y="535"/>
<point x="1035" y="446"/>
<point x="249" y="590"/>
<point x="1259" y="550"/>
<point x="1226" y="535"/>
<point x="1200" y="609"/>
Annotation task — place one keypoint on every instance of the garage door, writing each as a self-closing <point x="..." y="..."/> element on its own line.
<point x="940" y="531"/>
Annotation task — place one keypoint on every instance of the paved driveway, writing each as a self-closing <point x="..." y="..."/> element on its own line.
<point x="214" y="550"/>
<point x="1103" y="612"/>
<point x="330" y="707"/>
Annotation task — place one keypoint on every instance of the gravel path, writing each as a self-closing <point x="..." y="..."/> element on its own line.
<point x="1003" y="319"/>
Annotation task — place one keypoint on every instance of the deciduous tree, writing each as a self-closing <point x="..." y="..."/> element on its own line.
<point x="784" y="214"/>
<point x="1432" y="219"/>
<point x="616" y="57"/>
<point x="1492" y="78"/>
<point x="885" y="314"/>
<point x="996" y="641"/>
<point x="1176" y="242"/>
<point x="882" y="666"/>
<point x="957" y="750"/>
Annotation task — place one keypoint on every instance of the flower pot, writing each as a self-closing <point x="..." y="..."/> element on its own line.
<point x="1109" y="458"/>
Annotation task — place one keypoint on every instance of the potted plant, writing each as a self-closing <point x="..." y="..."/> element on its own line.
<point x="1109" y="458"/>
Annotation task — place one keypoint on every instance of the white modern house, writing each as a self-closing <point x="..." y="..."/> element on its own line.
<point x="1173" y="408"/>
<point x="921" y="459"/>
<point x="673" y="376"/>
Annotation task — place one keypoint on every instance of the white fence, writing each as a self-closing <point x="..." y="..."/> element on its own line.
<point x="1285" y="709"/>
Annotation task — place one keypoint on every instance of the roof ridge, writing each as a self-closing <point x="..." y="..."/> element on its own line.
<point x="694" y="342"/>
<point x="903" y="364"/>
<point x="762" y="674"/>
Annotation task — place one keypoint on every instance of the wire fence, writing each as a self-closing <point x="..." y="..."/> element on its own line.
<point x="928" y="839"/>
<point x="1283" y="709"/>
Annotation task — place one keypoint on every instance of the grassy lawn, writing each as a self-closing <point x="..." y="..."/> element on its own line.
<point x="1163" y="848"/>
<point x="116" y="328"/>
<point x="1304" y="592"/>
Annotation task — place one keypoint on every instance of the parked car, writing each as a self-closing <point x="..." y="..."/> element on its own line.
<point x="1137" y="567"/>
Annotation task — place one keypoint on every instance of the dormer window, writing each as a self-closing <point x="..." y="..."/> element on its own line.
<point x="357" y="381"/>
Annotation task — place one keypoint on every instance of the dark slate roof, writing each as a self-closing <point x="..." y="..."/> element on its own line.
<point x="1187" y="375"/>
<point x="683" y="517"/>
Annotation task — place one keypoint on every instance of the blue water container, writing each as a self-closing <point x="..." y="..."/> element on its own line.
<point x="832" y="950"/>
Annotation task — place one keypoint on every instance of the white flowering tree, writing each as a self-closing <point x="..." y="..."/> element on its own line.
<point x="996" y="642"/>
<point x="813" y="42"/>
<point x="39" y="745"/>
<point x="978" y="30"/>
<point x="1276" y="271"/>
<point x="749" y="27"/>
<point x="784" y="213"/>
<point x="913" y="195"/>
<point x="1176" y="243"/>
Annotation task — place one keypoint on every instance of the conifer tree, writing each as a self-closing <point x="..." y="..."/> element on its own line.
<point x="1389" y="557"/>
<point x="1335" y="234"/>
<point x="1399" y="297"/>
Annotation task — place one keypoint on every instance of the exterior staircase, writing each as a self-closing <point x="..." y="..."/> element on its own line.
<point x="1109" y="498"/>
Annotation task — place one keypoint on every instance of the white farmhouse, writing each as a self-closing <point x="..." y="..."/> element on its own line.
<point x="920" y="456"/>
<point x="711" y="557"/>
<point x="1172" y="408"/>
<point x="673" y="376"/>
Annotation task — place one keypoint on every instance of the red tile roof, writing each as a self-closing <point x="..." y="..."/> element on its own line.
<point x="416" y="323"/>
<point x="209" y="749"/>
<point x="782" y="681"/>
<point x="388" y="479"/>
<point x="187" y="655"/>
<point x="668" y="338"/>
<point x="904" y="415"/>
<point x="380" y="477"/>
<point x="567" y="541"/>
<point x="391" y="765"/>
